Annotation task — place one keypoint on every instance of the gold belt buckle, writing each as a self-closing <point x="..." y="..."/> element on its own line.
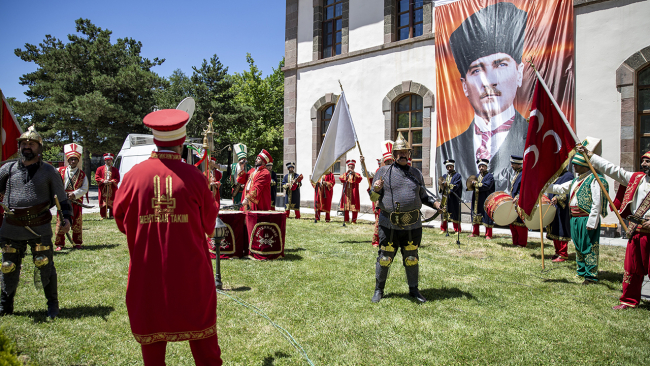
<point x="9" y="249"/>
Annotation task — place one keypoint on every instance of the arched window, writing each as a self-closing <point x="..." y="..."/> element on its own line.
<point x="643" y="109"/>
<point x="410" y="18"/>
<point x="325" y="118"/>
<point x="409" y="123"/>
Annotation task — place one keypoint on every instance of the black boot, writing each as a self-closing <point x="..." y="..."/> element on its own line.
<point x="52" y="296"/>
<point x="379" y="291"/>
<point x="414" y="292"/>
<point x="7" y="303"/>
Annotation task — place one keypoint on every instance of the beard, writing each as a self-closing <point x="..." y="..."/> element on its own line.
<point x="645" y="169"/>
<point x="28" y="154"/>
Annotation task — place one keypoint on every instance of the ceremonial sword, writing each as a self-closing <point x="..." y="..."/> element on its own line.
<point x="60" y="214"/>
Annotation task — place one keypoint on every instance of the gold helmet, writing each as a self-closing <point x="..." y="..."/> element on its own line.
<point x="401" y="143"/>
<point x="31" y="134"/>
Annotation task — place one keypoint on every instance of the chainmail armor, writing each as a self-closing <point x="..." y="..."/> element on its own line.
<point x="21" y="190"/>
<point x="399" y="188"/>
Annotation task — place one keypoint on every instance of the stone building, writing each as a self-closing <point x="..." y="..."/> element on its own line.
<point x="388" y="70"/>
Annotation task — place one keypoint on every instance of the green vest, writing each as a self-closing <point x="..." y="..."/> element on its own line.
<point x="584" y="194"/>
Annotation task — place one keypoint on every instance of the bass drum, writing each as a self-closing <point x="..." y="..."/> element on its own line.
<point x="266" y="232"/>
<point x="547" y="212"/>
<point x="500" y="208"/>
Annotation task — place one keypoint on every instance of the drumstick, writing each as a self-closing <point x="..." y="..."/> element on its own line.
<point x="549" y="207"/>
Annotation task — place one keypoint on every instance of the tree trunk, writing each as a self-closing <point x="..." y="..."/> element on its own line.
<point x="86" y="165"/>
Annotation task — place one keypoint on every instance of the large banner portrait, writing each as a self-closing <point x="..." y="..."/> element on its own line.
<point x="485" y="83"/>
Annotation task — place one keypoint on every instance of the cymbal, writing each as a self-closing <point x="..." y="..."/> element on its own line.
<point x="470" y="183"/>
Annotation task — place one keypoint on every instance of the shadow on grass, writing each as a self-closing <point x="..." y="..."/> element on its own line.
<point x="557" y="280"/>
<point x="77" y="312"/>
<point x="611" y="280"/>
<point x="292" y="257"/>
<point x="69" y="250"/>
<point x="355" y="241"/>
<point x="238" y="289"/>
<point x="269" y="360"/>
<point x="547" y="257"/>
<point x="99" y="247"/>
<point x="292" y="250"/>
<point x="433" y="294"/>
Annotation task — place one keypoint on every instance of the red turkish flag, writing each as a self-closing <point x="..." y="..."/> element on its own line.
<point x="549" y="149"/>
<point x="10" y="130"/>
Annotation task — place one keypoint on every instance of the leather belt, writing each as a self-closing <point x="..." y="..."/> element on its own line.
<point x="402" y="219"/>
<point x="30" y="216"/>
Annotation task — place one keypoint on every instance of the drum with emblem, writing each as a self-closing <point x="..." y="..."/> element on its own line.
<point x="547" y="212"/>
<point x="266" y="232"/>
<point x="500" y="208"/>
<point x="235" y="243"/>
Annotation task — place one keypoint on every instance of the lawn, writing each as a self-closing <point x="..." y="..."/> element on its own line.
<point x="489" y="303"/>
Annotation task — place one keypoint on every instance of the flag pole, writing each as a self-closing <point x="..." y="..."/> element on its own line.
<point x="363" y="162"/>
<point x="577" y="141"/>
<point x="541" y="228"/>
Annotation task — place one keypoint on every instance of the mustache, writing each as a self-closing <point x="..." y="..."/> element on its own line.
<point x="403" y="158"/>
<point x="490" y="92"/>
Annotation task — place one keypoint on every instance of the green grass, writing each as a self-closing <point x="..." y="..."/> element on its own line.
<point x="489" y="303"/>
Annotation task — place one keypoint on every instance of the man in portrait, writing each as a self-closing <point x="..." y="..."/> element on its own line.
<point x="487" y="48"/>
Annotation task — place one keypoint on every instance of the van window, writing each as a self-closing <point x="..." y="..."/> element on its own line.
<point x="118" y="160"/>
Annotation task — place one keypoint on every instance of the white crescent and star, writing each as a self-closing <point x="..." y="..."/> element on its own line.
<point x="534" y="150"/>
<point x="557" y="139"/>
<point x="540" y="118"/>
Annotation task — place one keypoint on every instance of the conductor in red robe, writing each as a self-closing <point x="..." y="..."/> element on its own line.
<point x="107" y="177"/>
<point x="324" y="190"/>
<point x="257" y="184"/>
<point x="166" y="209"/>
<point x="350" y="200"/>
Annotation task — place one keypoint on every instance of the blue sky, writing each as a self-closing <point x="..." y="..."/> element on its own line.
<point x="182" y="32"/>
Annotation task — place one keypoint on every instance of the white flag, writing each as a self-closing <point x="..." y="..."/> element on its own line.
<point x="339" y="139"/>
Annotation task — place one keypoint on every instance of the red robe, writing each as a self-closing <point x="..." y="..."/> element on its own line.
<point x="350" y="200"/>
<point x="107" y="191"/>
<point x="215" y="176"/>
<point x="166" y="209"/>
<point x="323" y="194"/>
<point x="257" y="188"/>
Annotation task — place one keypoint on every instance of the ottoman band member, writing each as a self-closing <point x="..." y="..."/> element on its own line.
<point x="29" y="186"/>
<point x="633" y="202"/>
<point x="452" y="188"/>
<point x="235" y="168"/>
<point x="483" y="187"/>
<point x="560" y="229"/>
<point x="76" y="186"/>
<point x="518" y="229"/>
<point x="107" y="177"/>
<point x="586" y="202"/>
<point x="323" y="192"/>
<point x="350" y="201"/>
<point x="292" y="183"/>
<point x="399" y="192"/>
<point x="257" y="184"/>
<point x="166" y="209"/>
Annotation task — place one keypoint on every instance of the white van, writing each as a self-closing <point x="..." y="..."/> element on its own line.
<point x="138" y="147"/>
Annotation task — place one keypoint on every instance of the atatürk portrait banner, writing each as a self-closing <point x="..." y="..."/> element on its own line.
<point x="485" y="84"/>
